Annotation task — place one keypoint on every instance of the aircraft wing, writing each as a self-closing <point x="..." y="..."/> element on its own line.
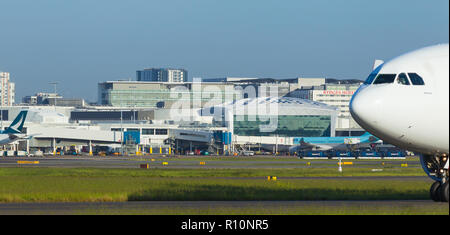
<point x="29" y="137"/>
<point x="14" y="137"/>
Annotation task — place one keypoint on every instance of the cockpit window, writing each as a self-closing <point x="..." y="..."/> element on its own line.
<point x="416" y="79"/>
<point x="403" y="79"/>
<point x="385" y="78"/>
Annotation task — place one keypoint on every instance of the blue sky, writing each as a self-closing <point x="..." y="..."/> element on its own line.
<point x="82" y="42"/>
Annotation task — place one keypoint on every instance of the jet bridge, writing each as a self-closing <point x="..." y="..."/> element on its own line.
<point x="192" y="139"/>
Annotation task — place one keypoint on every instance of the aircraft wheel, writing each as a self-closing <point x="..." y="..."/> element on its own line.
<point x="435" y="192"/>
<point x="444" y="192"/>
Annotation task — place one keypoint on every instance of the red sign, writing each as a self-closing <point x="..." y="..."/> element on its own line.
<point x="338" y="92"/>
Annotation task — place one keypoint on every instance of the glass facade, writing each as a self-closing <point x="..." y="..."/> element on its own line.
<point x="287" y="126"/>
<point x="152" y="98"/>
<point x="148" y="131"/>
<point x="155" y="95"/>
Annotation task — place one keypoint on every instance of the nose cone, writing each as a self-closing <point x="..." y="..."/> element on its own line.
<point x="364" y="108"/>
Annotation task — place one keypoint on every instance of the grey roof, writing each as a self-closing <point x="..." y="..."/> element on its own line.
<point x="284" y="106"/>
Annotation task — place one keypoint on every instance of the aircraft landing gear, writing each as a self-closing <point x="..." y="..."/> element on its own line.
<point x="437" y="168"/>
<point x="439" y="192"/>
<point x="444" y="192"/>
<point x="435" y="191"/>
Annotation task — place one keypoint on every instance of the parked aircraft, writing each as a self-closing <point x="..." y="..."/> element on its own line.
<point x="14" y="131"/>
<point x="328" y="143"/>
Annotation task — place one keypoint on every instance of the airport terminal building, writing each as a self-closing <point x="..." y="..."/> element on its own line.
<point x="276" y="116"/>
<point x="245" y="121"/>
<point x="270" y="122"/>
<point x="214" y="91"/>
<point x="216" y="115"/>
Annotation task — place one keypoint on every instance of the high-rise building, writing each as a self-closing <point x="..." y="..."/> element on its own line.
<point x="162" y="75"/>
<point x="7" y="90"/>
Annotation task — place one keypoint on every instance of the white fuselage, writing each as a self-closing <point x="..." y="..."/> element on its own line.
<point x="5" y="139"/>
<point x="413" y="117"/>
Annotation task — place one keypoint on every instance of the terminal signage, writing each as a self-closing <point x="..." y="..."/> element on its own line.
<point x="132" y="137"/>
<point x="338" y="92"/>
<point x="226" y="138"/>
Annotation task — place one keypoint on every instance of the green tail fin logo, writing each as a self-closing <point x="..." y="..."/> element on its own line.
<point x="16" y="126"/>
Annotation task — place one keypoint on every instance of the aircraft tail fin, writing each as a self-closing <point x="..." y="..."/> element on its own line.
<point x="16" y="126"/>
<point x="366" y="134"/>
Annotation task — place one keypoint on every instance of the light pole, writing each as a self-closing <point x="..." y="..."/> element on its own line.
<point x="349" y="126"/>
<point x="134" y="114"/>
<point x="121" y="131"/>
<point x="54" y="84"/>
<point x="276" y="145"/>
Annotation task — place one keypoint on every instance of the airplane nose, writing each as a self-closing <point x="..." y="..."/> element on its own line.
<point x="363" y="108"/>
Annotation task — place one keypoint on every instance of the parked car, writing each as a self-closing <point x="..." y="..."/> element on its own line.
<point x="248" y="153"/>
